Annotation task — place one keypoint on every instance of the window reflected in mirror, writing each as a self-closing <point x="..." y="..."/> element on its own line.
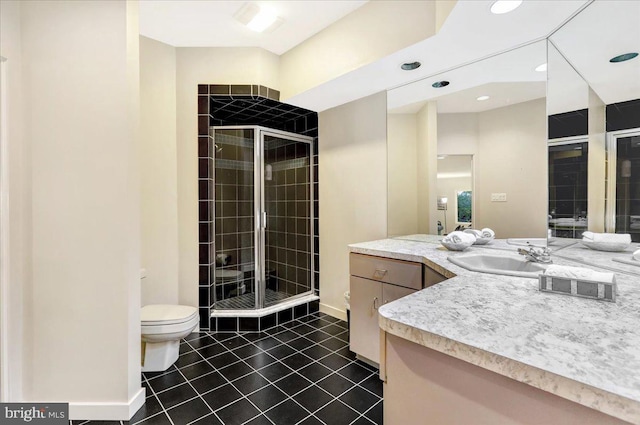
<point x="568" y="171"/>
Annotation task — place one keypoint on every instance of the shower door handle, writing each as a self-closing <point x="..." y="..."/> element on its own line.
<point x="264" y="220"/>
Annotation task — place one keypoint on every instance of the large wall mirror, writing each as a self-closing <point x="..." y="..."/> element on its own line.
<point x="594" y="121"/>
<point x="472" y="152"/>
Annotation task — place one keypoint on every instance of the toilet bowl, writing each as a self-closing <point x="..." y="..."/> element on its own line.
<point x="162" y="328"/>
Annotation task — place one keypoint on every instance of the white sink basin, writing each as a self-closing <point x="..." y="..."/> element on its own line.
<point x="498" y="264"/>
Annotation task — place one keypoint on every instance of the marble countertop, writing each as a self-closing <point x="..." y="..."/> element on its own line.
<point x="587" y="351"/>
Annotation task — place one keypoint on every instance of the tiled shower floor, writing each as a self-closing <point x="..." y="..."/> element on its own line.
<point x="299" y="373"/>
<point x="248" y="300"/>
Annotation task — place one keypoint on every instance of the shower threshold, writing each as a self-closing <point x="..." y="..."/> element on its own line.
<point x="252" y="319"/>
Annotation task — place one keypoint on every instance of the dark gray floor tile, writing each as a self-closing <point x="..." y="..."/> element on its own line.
<point x="250" y="383"/>
<point x="287" y="413"/>
<point x="281" y="351"/>
<point x="208" y="382"/>
<point x="336" y="413"/>
<point x="313" y="398"/>
<point x="315" y="372"/>
<point x="334" y="361"/>
<point x="158" y="419"/>
<point x="355" y="372"/>
<point x="189" y="411"/>
<point x="373" y="384"/>
<point x="335" y="384"/>
<point x="176" y="395"/>
<point x="212" y="350"/>
<point x="359" y="399"/>
<point x="197" y="369"/>
<point x="260" y="360"/>
<point x="293" y="384"/>
<point x="237" y="413"/>
<point x="236" y="370"/>
<point x="376" y="413"/>
<point x="221" y="396"/>
<point x="169" y="380"/>
<point x="188" y="358"/>
<point x="223" y="360"/>
<point x="267" y="397"/>
<point x="275" y="371"/>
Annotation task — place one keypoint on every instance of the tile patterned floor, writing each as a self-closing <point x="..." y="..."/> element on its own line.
<point x="300" y="373"/>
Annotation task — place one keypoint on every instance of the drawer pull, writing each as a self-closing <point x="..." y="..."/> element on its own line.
<point x="379" y="273"/>
<point x="375" y="303"/>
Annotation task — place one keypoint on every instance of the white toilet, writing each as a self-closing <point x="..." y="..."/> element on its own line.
<point x="162" y="328"/>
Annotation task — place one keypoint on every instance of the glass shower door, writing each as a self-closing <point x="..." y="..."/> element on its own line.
<point x="234" y="275"/>
<point x="288" y="250"/>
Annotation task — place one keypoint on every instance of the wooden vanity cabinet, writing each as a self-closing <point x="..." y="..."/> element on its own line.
<point x="376" y="281"/>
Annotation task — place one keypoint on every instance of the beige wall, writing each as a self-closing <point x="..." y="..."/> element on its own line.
<point x="15" y="169"/>
<point x="512" y="158"/>
<point x="159" y="175"/>
<point x="458" y="134"/>
<point x="403" y="174"/>
<point x="80" y="81"/>
<point x="427" y="158"/>
<point x="382" y="28"/>
<point x="353" y="189"/>
<point x="205" y="66"/>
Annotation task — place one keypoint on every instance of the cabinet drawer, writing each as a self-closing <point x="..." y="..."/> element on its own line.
<point x="397" y="272"/>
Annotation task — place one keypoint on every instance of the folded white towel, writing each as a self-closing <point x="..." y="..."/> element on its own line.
<point x="474" y="232"/>
<point x="569" y="272"/>
<point x="488" y="233"/>
<point x="636" y="255"/>
<point x="607" y="237"/>
<point x="459" y="237"/>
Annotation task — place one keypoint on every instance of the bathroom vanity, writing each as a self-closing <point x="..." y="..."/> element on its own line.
<point x="489" y="349"/>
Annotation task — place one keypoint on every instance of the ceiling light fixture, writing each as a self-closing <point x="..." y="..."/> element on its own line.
<point x="501" y="7"/>
<point x="481" y="98"/>
<point x="623" y="58"/>
<point x="258" y="18"/>
<point x="410" y="66"/>
<point x="440" y="84"/>
<point x="541" y="68"/>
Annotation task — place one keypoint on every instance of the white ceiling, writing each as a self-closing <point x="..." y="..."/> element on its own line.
<point x="208" y="23"/>
<point x="470" y="33"/>
<point x="603" y="30"/>
<point x="508" y="78"/>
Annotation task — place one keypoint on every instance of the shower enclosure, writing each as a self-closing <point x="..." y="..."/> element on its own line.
<point x="263" y="222"/>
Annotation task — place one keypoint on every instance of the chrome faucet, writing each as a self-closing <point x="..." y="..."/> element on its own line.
<point x="536" y="254"/>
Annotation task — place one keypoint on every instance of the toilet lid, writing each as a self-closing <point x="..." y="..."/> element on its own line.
<point x="166" y="314"/>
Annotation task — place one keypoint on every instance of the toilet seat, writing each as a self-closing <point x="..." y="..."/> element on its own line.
<point x="163" y="314"/>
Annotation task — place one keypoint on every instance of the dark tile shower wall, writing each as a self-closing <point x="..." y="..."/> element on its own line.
<point x="241" y="105"/>
<point x="234" y="215"/>
<point x="287" y="202"/>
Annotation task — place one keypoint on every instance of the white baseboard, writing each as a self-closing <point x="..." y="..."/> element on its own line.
<point x="107" y="411"/>
<point x="332" y="311"/>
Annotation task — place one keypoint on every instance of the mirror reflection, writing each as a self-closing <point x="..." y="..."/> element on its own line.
<point x="491" y="117"/>
<point x="594" y="122"/>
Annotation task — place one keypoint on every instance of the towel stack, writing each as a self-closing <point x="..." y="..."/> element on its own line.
<point x="458" y="237"/>
<point x="578" y="273"/>
<point x="488" y="233"/>
<point x="607" y="237"/>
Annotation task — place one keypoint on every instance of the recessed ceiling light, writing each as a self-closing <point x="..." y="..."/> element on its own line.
<point x="410" y="66"/>
<point x="481" y="98"/>
<point x="541" y="68"/>
<point x="504" y="6"/>
<point x="441" y="157"/>
<point x="258" y="18"/>
<point x="622" y="58"/>
<point x="440" y="84"/>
